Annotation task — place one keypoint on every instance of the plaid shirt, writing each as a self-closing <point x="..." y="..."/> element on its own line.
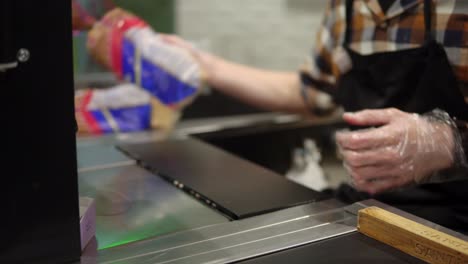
<point x="401" y="27"/>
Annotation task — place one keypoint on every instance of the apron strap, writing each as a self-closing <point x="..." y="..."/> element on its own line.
<point x="428" y="20"/>
<point x="349" y="21"/>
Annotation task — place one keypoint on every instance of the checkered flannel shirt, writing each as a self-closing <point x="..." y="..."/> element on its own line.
<point x="401" y="27"/>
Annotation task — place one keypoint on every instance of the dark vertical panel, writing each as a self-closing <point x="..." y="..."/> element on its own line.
<point x="6" y="55"/>
<point x="40" y="215"/>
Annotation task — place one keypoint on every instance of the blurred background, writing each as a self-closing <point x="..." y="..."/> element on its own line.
<point x="272" y="34"/>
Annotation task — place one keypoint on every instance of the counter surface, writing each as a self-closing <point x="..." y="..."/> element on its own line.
<point x="133" y="204"/>
<point x="142" y="218"/>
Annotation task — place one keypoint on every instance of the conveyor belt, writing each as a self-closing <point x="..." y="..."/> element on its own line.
<point x="236" y="187"/>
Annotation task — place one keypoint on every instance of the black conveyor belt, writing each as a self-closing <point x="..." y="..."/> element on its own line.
<point x="234" y="186"/>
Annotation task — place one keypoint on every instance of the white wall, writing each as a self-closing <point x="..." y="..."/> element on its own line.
<point x="274" y="34"/>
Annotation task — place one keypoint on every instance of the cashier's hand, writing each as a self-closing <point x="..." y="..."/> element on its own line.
<point x="205" y="59"/>
<point x="403" y="149"/>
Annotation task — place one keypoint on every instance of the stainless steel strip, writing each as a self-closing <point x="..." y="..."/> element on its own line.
<point x="231" y="241"/>
<point x="120" y="138"/>
<point x="250" y="249"/>
<point x="107" y="166"/>
<point x="214" y="124"/>
<point x="267" y="245"/>
<point x="99" y="156"/>
<point x="196" y="235"/>
<point x="204" y="125"/>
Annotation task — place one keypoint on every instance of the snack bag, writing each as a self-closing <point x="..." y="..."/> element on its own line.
<point x="135" y="53"/>
<point x="124" y="108"/>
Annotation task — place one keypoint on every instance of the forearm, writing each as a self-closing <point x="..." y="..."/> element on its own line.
<point x="270" y="90"/>
<point x="275" y="91"/>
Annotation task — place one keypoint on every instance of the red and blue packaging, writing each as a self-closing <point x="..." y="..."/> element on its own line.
<point x="124" y="108"/>
<point x="136" y="54"/>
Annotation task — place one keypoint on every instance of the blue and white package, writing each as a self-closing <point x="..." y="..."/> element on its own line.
<point x="167" y="72"/>
<point x="124" y="108"/>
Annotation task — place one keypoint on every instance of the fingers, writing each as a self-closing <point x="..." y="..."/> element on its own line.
<point x="380" y="178"/>
<point x="381" y="156"/>
<point x="371" y="117"/>
<point x="368" y="139"/>
<point x="177" y="41"/>
<point x="390" y="133"/>
<point x="172" y="39"/>
<point x="381" y="185"/>
<point x="369" y="173"/>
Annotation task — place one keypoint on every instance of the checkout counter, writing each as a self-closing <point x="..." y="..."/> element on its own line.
<point x="158" y="200"/>
<point x="181" y="200"/>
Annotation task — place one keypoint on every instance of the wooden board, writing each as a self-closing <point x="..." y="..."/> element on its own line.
<point x="411" y="237"/>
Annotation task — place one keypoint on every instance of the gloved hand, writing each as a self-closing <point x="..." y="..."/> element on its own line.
<point x="203" y="58"/>
<point x="403" y="149"/>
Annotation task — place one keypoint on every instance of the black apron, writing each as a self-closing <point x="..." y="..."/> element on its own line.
<point x="415" y="80"/>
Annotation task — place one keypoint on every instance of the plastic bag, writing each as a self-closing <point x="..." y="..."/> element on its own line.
<point x="124" y="108"/>
<point x="134" y="52"/>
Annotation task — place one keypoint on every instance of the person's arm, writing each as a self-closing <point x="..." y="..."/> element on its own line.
<point x="276" y="91"/>
<point x="270" y="90"/>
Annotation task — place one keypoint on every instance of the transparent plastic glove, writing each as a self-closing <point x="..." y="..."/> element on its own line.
<point x="403" y="149"/>
<point x="205" y="60"/>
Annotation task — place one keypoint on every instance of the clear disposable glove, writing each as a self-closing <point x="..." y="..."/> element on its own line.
<point x="403" y="148"/>
<point x="204" y="59"/>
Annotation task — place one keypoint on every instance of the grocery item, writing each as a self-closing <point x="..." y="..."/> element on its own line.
<point x="124" y="108"/>
<point x="134" y="52"/>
